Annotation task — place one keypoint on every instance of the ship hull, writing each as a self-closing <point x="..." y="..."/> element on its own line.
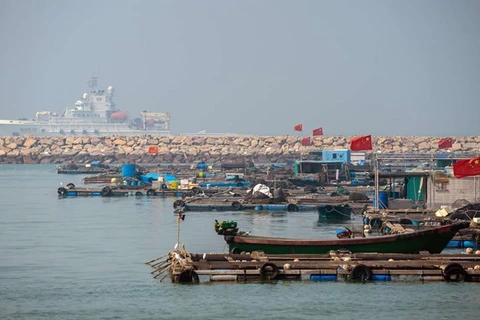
<point x="47" y="129"/>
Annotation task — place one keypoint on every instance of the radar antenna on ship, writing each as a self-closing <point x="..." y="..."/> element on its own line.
<point x="92" y="84"/>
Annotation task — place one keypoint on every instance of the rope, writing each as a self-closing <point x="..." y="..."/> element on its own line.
<point x="341" y="213"/>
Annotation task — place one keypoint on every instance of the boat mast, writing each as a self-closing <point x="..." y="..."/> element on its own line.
<point x="92" y="84"/>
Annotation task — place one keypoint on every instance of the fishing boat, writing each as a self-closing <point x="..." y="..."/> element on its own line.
<point x="433" y="240"/>
<point x="95" y="114"/>
<point x="336" y="212"/>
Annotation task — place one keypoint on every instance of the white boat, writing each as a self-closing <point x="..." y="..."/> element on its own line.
<point x="95" y="114"/>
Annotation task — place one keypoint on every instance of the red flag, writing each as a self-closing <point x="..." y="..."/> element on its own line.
<point x="306" y="141"/>
<point x="361" y="143"/>
<point x="467" y="168"/>
<point x="298" y="127"/>
<point x="318" y="132"/>
<point x="153" y="150"/>
<point x="445" y="143"/>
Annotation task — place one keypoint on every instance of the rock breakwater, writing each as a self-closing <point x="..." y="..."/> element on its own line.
<point x="188" y="149"/>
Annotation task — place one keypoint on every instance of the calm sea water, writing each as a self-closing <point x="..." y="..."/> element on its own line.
<point x="83" y="258"/>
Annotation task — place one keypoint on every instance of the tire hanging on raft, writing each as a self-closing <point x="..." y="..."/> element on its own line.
<point x="454" y="272"/>
<point x="150" y="192"/>
<point x="236" y="205"/>
<point x="269" y="271"/>
<point x="361" y="272"/>
<point x="138" y="194"/>
<point x="195" y="190"/>
<point x="70" y="186"/>
<point x="292" y="207"/>
<point x="178" y="204"/>
<point x="106" y="191"/>
<point x="235" y="250"/>
<point x="61" y="191"/>
<point x="188" y="276"/>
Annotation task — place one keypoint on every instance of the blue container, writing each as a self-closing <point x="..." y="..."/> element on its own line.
<point x="202" y="165"/>
<point x="258" y="208"/>
<point x="323" y="277"/>
<point x="382" y="201"/>
<point x="134" y="183"/>
<point x="128" y="170"/>
<point x="381" y="277"/>
<point x="460" y="244"/>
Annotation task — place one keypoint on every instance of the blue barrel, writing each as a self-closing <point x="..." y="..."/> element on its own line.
<point x="202" y="165"/>
<point x="382" y="201"/>
<point x="258" y="208"/>
<point x="323" y="277"/>
<point x="381" y="277"/>
<point x="128" y="170"/>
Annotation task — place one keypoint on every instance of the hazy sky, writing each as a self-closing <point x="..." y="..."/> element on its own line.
<point x="407" y="67"/>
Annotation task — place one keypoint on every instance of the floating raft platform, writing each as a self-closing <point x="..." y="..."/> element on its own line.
<point x="238" y="206"/>
<point x="184" y="267"/>
<point x="123" y="191"/>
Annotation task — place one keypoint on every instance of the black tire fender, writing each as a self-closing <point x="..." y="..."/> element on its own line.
<point x="150" y="192"/>
<point x="236" y="205"/>
<point x="61" y="191"/>
<point x="361" y="272"/>
<point x="454" y="272"/>
<point x="376" y="223"/>
<point x="269" y="271"/>
<point x="292" y="207"/>
<point x="70" y="186"/>
<point x="164" y="186"/>
<point x="178" y="204"/>
<point x="188" y="276"/>
<point x="106" y="191"/>
<point x="138" y="194"/>
<point x="196" y="190"/>
<point x="235" y="250"/>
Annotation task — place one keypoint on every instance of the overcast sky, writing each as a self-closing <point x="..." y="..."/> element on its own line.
<point x="378" y="67"/>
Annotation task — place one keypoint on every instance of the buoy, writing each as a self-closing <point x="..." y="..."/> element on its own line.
<point x="476" y="268"/>
<point x="477" y="252"/>
<point x="287" y="266"/>
<point x="296" y="260"/>
<point x="391" y="260"/>
<point x="114" y="180"/>
<point x="469" y="250"/>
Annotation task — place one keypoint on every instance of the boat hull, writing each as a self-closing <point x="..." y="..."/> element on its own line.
<point x="330" y="213"/>
<point x="50" y="129"/>
<point x="432" y="240"/>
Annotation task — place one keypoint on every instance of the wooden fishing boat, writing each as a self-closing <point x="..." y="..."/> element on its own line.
<point x="336" y="212"/>
<point x="433" y="240"/>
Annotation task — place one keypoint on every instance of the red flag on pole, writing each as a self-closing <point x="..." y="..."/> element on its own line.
<point x="318" y="132"/>
<point x="306" y="141"/>
<point x="361" y="143"/>
<point x="153" y="150"/>
<point x="445" y="143"/>
<point x="467" y="168"/>
<point x="298" y="127"/>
